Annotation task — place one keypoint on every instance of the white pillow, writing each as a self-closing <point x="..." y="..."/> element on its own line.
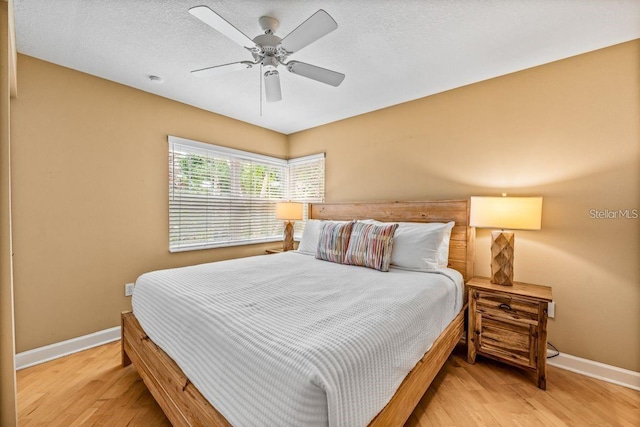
<point x="443" y="251"/>
<point x="310" y="235"/>
<point x="420" y="246"/>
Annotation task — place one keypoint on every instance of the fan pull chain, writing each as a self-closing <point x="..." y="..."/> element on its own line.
<point x="260" y="78"/>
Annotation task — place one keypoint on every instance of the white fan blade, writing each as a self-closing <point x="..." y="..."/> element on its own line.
<point x="222" y="69"/>
<point x="272" y="86"/>
<point x="320" y="74"/>
<point x="318" y="25"/>
<point x="221" y="25"/>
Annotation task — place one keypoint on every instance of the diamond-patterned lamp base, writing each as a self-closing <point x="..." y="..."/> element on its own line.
<point x="502" y="257"/>
<point x="287" y="245"/>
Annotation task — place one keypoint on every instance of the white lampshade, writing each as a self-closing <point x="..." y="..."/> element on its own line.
<point x="506" y="213"/>
<point x="289" y="211"/>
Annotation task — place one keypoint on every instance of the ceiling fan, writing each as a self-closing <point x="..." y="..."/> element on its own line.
<point x="270" y="50"/>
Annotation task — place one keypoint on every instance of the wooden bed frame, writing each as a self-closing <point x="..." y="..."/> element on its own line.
<point x="185" y="406"/>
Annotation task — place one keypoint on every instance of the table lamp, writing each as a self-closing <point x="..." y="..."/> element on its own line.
<point x="289" y="212"/>
<point x="505" y="213"/>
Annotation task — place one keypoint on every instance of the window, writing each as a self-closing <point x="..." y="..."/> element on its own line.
<point x="306" y="184"/>
<point x="222" y="197"/>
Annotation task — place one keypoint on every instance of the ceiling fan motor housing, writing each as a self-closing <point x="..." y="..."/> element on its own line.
<point x="270" y="54"/>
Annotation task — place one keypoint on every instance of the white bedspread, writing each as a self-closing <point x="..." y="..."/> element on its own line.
<point x="288" y="340"/>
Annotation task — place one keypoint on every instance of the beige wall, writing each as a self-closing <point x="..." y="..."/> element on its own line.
<point x="569" y="131"/>
<point x="91" y="195"/>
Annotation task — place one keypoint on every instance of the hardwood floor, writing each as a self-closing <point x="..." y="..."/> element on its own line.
<point x="89" y="388"/>
<point x="92" y="389"/>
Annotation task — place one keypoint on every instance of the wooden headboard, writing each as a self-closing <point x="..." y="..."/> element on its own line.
<point x="461" y="246"/>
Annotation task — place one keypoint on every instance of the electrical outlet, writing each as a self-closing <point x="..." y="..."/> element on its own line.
<point x="128" y="289"/>
<point x="551" y="310"/>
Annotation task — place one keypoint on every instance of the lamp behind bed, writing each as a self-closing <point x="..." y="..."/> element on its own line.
<point x="289" y="212"/>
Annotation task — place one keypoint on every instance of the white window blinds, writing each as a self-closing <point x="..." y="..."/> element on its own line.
<point x="306" y="184"/>
<point x="306" y="176"/>
<point x="222" y="197"/>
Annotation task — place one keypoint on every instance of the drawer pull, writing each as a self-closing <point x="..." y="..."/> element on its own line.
<point x="504" y="306"/>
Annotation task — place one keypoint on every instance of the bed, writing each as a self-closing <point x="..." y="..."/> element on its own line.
<point x="185" y="405"/>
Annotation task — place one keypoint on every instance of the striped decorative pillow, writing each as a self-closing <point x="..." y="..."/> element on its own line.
<point x="333" y="241"/>
<point x="370" y="246"/>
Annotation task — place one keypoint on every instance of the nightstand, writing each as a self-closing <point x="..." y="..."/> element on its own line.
<point x="509" y="324"/>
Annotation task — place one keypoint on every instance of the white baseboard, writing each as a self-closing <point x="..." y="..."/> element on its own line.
<point x="64" y="348"/>
<point x="600" y="371"/>
<point x="612" y="374"/>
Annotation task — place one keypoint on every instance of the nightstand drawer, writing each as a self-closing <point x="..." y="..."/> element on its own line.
<point x="508" y="307"/>
<point x="513" y="341"/>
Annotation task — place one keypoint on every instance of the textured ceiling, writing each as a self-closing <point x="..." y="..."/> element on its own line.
<point x="391" y="51"/>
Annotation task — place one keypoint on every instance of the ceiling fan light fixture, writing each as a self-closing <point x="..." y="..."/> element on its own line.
<point x="272" y="88"/>
<point x="269" y="61"/>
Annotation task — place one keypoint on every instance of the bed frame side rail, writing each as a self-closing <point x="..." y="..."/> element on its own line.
<point x="180" y="400"/>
